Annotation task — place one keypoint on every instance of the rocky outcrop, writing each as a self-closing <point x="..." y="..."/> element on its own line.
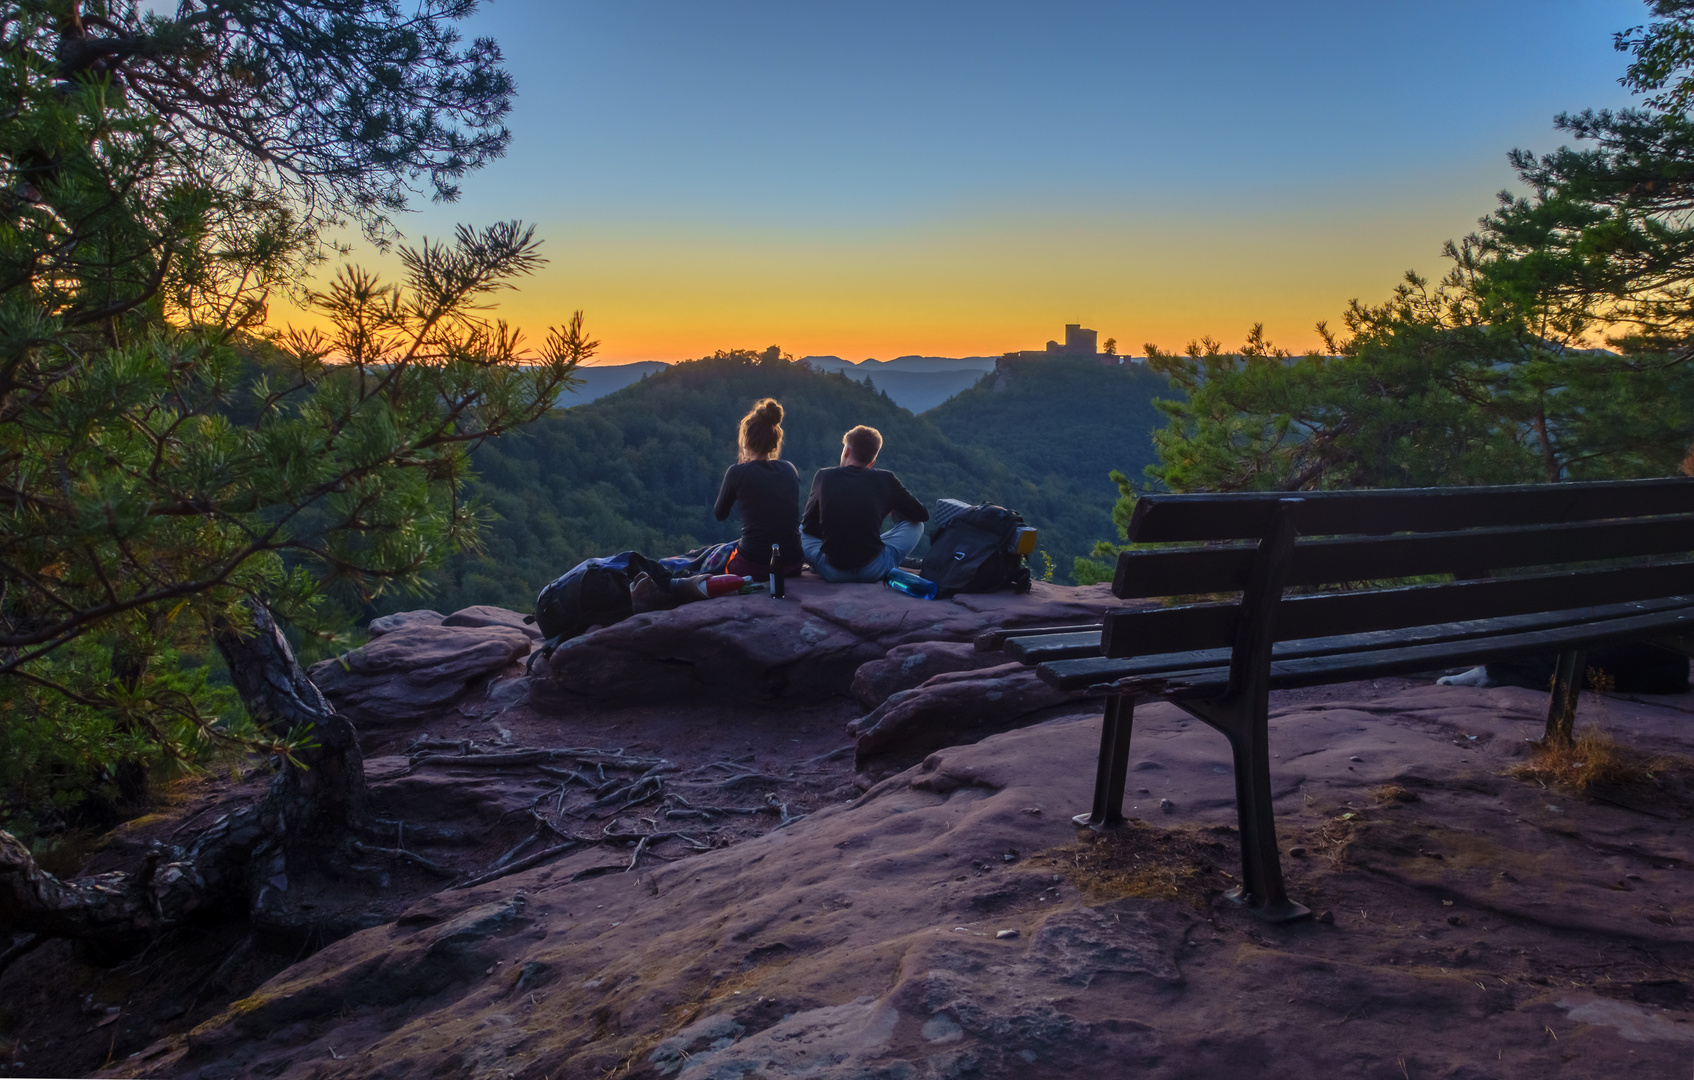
<point x="403" y="620"/>
<point x="952" y="923"/>
<point x="412" y="671"/>
<point x="488" y="615"/>
<point x="805" y="648"/>
<point x="954" y="707"/>
<point x="908" y="666"/>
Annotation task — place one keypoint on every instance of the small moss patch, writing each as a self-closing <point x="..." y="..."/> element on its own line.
<point x="249" y="1004"/>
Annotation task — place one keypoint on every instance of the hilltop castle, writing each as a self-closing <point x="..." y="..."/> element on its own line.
<point x="1078" y="342"/>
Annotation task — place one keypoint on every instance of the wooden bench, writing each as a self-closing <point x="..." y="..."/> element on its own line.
<point x="1543" y="569"/>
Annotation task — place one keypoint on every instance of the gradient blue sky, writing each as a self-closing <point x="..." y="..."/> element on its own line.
<point x="872" y="179"/>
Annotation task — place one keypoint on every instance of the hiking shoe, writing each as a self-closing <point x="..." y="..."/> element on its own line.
<point x="645" y="594"/>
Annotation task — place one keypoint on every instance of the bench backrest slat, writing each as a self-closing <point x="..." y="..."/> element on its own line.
<point x="1209" y="626"/>
<point x="1243" y="516"/>
<point x="1187" y="571"/>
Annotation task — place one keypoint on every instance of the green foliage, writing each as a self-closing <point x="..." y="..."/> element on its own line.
<point x="1424" y="393"/>
<point x="161" y="466"/>
<point x="60" y="763"/>
<point x="142" y="512"/>
<point x="340" y="106"/>
<point x="1062" y="423"/>
<point x="1100" y="564"/>
<point x="1663" y="53"/>
<point x="1491" y="375"/>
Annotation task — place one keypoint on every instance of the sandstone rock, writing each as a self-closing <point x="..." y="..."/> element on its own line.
<point x="488" y="615"/>
<point x="409" y="674"/>
<point x="806" y="648"/>
<point x="907" y="666"/>
<point x="431" y="953"/>
<point x="404" y="620"/>
<point x="862" y="942"/>
<point x="953" y="707"/>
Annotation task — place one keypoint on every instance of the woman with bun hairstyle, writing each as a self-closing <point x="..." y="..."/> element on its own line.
<point x="767" y="490"/>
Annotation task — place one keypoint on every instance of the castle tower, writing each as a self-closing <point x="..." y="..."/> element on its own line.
<point x="1080" y="342"/>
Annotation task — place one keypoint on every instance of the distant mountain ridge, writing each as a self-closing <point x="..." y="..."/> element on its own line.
<point x="913" y="363"/>
<point x="594" y="382"/>
<point x="917" y="383"/>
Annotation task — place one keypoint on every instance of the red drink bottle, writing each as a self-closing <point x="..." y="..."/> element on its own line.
<point x="724" y="584"/>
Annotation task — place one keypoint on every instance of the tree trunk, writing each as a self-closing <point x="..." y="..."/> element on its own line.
<point x="243" y="859"/>
<point x="1549" y="460"/>
<point x="325" y="792"/>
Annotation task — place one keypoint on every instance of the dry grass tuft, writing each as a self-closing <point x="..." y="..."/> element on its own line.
<point x="1139" y="860"/>
<point x="1334" y="838"/>
<point x="1393" y="793"/>
<point x="1593" y="760"/>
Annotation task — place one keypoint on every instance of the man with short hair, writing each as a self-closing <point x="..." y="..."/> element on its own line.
<point x="841" y="529"/>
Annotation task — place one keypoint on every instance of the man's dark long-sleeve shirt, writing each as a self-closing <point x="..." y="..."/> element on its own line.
<point x="768" y="493"/>
<point x="846" y="508"/>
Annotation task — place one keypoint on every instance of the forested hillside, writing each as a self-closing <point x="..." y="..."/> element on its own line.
<point x="1061" y="419"/>
<point x="1064" y="423"/>
<point x="639" y="468"/>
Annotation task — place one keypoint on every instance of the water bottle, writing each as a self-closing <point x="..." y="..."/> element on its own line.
<point x="911" y="584"/>
<point x="778" y="586"/>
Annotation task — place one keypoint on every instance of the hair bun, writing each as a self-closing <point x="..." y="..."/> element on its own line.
<point x="761" y="431"/>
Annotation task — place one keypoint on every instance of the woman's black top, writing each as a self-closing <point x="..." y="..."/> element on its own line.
<point x="768" y="493"/>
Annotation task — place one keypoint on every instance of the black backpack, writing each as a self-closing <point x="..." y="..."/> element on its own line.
<point x="594" y="592"/>
<point x="976" y="551"/>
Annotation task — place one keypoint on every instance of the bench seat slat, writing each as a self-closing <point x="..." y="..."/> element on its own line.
<point x="1463" y="641"/>
<point x="992" y="640"/>
<point x="1187" y="571"/>
<point x="1243" y="516"/>
<point x="1207" y="626"/>
<point x="1036" y="650"/>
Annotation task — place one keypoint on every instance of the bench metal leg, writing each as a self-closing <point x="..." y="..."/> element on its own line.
<point x="1245" y="724"/>
<point x="1261" y="863"/>
<point x="1567" y="685"/>
<point x="1113" y="766"/>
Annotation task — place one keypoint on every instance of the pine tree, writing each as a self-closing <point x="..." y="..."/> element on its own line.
<point x="172" y="478"/>
<point x="1560" y="345"/>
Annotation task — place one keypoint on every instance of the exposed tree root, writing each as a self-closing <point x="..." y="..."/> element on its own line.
<point x="522" y="864"/>
<point x="308" y="809"/>
<point x="405" y="856"/>
<point x="316" y="818"/>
